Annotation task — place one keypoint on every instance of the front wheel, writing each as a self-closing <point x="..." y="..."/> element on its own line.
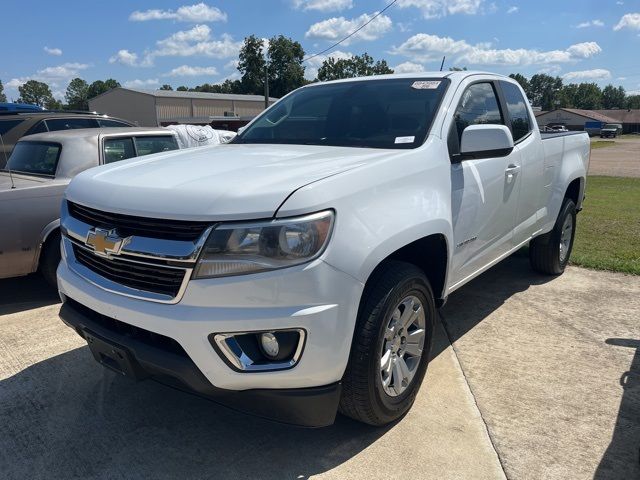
<point x="391" y="345"/>
<point x="50" y="258"/>
<point x="549" y="253"/>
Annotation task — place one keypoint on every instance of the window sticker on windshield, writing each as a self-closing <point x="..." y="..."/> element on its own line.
<point x="404" y="139"/>
<point x="425" y="85"/>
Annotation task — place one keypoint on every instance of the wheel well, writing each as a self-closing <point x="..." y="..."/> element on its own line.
<point x="48" y="239"/>
<point x="573" y="191"/>
<point x="430" y="255"/>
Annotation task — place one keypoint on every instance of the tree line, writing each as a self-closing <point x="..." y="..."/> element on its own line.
<point x="280" y="63"/>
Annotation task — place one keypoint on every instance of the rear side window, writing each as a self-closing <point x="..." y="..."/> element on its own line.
<point x="6" y="125"/>
<point x="104" y="122"/>
<point x="148" y="145"/>
<point x="37" y="158"/>
<point x="479" y="105"/>
<point x="116" y="149"/>
<point x="70" y="123"/>
<point x="39" y="127"/>
<point x="517" y="107"/>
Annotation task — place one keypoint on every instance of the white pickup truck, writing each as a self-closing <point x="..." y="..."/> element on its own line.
<point x="297" y="270"/>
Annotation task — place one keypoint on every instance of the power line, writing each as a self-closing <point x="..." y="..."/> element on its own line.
<point x="352" y="33"/>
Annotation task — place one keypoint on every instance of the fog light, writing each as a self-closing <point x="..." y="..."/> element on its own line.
<point x="270" y="345"/>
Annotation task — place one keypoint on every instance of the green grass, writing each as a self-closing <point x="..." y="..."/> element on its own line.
<point x="608" y="232"/>
<point x="602" y="143"/>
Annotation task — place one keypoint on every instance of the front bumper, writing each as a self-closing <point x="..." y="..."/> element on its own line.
<point x="315" y="297"/>
<point x="161" y="361"/>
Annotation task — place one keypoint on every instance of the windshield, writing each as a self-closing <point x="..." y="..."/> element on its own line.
<point x="611" y="126"/>
<point x="389" y="113"/>
<point x="36" y="158"/>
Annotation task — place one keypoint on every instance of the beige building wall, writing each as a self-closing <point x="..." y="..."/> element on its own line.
<point x="135" y="107"/>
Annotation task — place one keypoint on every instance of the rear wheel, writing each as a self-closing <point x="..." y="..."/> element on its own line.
<point x="50" y="258"/>
<point x="549" y="253"/>
<point x="391" y="345"/>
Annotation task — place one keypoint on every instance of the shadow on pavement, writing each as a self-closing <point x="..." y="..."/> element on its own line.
<point x="24" y="293"/>
<point x="476" y="300"/>
<point x="622" y="458"/>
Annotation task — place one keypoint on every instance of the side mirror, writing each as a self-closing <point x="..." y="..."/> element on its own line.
<point x="485" y="141"/>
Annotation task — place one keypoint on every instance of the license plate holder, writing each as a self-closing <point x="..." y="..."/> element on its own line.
<point x="113" y="356"/>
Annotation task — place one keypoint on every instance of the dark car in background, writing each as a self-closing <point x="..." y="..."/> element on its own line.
<point x="14" y="125"/>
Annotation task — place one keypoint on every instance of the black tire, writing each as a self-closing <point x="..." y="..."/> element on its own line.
<point x="50" y="258"/>
<point x="544" y="251"/>
<point x="363" y="396"/>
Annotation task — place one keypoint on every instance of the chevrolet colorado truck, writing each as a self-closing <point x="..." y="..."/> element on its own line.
<point x="296" y="271"/>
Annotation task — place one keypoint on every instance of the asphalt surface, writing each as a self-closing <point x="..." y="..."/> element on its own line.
<point x="542" y="381"/>
<point x="622" y="159"/>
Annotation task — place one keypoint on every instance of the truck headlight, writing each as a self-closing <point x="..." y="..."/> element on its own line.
<point x="240" y="248"/>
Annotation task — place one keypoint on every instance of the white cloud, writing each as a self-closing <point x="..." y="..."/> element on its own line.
<point x="313" y="64"/>
<point x="513" y="9"/>
<point x="56" y="52"/>
<point x="56" y="77"/>
<point x="595" y="74"/>
<point x="442" y="8"/>
<point x="323" y="5"/>
<point x="338" y="27"/>
<point x="151" y="82"/>
<point x="425" y="47"/>
<point x="231" y="65"/>
<point x="591" y="23"/>
<point x="630" y="20"/>
<point x="408" y="67"/>
<point x="196" y="41"/>
<point x="197" y="13"/>
<point x="188" y="71"/>
<point x="125" y="57"/>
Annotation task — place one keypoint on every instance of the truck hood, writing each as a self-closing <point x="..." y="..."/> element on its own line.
<point x="223" y="182"/>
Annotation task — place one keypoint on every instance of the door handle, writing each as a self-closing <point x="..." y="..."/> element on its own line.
<point x="511" y="171"/>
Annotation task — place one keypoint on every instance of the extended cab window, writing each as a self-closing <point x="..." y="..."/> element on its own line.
<point x="36" y="158"/>
<point x="390" y="113"/>
<point x="148" y="145"/>
<point x="116" y="149"/>
<point x="479" y="105"/>
<point x="70" y="123"/>
<point x="517" y="107"/>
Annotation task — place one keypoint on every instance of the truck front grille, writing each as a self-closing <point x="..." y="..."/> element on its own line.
<point x="128" y="225"/>
<point x="147" y="277"/>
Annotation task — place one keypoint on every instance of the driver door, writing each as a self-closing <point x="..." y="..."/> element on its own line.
<point x="484" y="191"/>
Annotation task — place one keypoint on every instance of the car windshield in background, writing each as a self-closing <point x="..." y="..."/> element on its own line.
<point x="35" y="158"/>
<point x="389" y="113"/>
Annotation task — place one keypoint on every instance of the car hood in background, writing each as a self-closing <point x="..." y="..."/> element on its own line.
<point x="225" y="182"/>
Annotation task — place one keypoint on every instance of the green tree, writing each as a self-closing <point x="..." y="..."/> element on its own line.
<point x="3" y="97"/>
<point x="357" y="66"/>
<point x="98" y="87"/>
<point x="633" y="101"/>
<point x="166" y="86"/>
<point x="588" y="96"/>
<point x="251" y="64"/>
<point x="286" y="72"/>
<point x="182" y="88"/>
<point x="76" y="95"/>
<point x="613" y="97"/>
<point x="544" y="91"/>
<point x="37" y="93"/>
<point x="567" y="97"/>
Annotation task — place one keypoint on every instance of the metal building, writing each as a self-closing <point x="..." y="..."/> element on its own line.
<point x="152" y="108"/>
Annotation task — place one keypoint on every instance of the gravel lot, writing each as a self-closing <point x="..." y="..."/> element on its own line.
<point x="619" y="160"/>
<point x="542" y="381"/>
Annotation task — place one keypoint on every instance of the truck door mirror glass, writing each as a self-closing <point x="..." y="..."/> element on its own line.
<point x="485" y="141"/>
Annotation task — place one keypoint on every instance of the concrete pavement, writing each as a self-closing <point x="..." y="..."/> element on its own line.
<point x="619" y="160"/>
<point x="542" y="382"/>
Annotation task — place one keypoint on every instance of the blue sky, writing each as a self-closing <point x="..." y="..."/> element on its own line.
<point x="151" y="42"/>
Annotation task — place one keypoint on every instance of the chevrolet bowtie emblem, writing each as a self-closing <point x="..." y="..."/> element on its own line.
<point x="105" y="242"/>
